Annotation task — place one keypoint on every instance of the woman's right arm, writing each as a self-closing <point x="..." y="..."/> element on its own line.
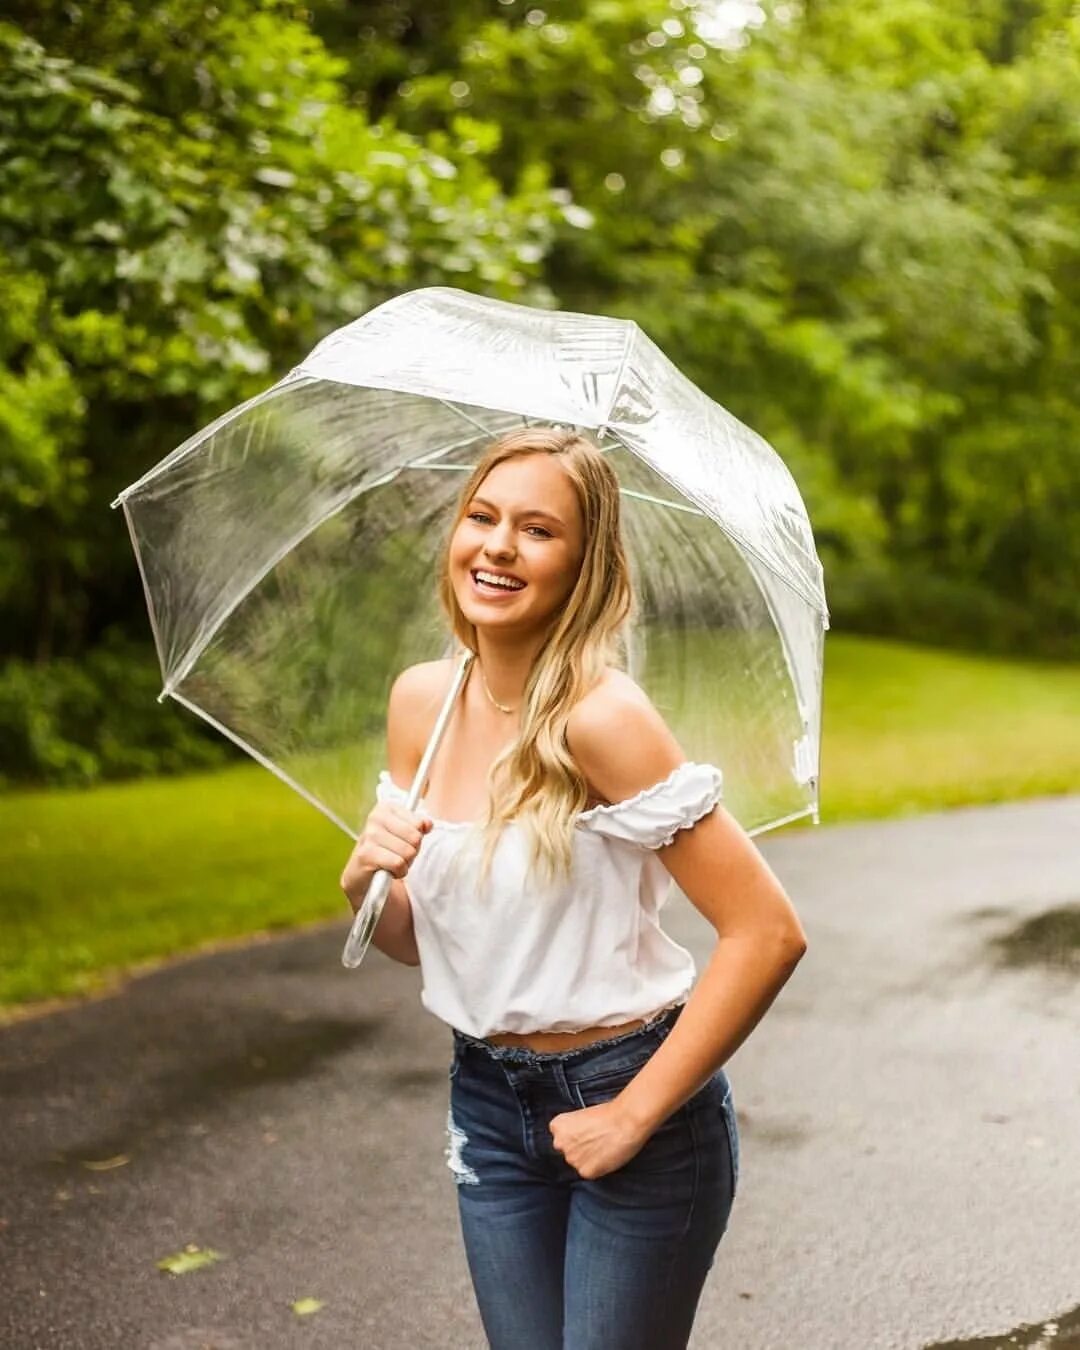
<point x="394" y="934"/>
<point x="391" y="835"/>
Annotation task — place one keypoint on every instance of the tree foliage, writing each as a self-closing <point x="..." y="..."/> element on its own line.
<point x="855" y="224"/>
<point x="168" y="256"/>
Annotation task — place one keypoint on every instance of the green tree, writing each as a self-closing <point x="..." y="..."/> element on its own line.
<point x="855" y="225"/>
<point x="164" y="263"/>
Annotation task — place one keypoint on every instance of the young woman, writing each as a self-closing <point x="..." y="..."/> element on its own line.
<point x="591" y="1130"/>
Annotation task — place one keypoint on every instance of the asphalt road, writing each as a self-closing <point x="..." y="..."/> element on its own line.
<point x="909" y="1112"/>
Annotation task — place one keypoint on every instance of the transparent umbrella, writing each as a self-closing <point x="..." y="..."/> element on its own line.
<point x="288" y="550"/>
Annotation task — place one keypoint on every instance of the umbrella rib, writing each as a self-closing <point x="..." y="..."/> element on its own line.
<point x="623" y="492"/>
<point x="661" y="501"/>
<point x="262" y="759"/>
<point x="465" y="417"/>
<point x="631" y="332"/>
<point x="146" y="590"/>
<point x="440" y="468"/>
<point x="786" y="820"/>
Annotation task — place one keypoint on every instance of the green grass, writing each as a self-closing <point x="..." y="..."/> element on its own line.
<point x="95" y="883"/>
<point x="100" y="880"/>
<point x="908" y="729"/>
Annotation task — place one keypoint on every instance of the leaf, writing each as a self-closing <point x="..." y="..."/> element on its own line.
<point x="191" y="1258"/>
<point x="303" y="1306"/>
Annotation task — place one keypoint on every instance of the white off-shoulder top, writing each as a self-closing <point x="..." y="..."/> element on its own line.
<point x="590" y="952"/>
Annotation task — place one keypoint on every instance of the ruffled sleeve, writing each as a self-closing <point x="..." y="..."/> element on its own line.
<point x="654" y="816"/>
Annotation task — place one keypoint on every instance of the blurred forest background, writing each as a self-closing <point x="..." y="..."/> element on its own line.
<point x="855" y="223"/>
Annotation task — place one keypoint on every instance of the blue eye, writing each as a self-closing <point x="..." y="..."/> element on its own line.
<point x="482" y="515"/>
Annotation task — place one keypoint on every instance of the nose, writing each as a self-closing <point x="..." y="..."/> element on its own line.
<point x="499" y="543"/>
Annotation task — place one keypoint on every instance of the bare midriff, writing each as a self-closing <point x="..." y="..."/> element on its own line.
<point x="561" y="1040"/>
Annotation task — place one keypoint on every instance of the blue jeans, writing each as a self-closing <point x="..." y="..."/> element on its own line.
<point x="559" y="1262"/>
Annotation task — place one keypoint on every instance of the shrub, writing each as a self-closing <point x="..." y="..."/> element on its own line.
<point x="915" y="605"/>
<point x="74" y="722"/>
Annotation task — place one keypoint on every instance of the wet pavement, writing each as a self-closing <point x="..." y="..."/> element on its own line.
<point x="909" y="1112"/>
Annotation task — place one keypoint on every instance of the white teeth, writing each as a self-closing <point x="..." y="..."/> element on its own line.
<point x="504" y="582"/>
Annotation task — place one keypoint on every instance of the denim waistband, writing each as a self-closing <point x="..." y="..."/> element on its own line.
<point x="522" y="1054"/>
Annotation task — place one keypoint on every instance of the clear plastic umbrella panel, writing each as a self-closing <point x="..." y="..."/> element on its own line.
<point x="289" y="550"/>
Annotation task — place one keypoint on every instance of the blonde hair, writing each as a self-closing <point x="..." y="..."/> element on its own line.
<point x="534" y="780"/>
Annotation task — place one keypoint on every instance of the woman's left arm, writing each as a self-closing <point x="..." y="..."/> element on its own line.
<point x="623" y="745"/>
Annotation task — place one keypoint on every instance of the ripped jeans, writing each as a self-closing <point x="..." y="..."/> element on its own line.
<point x="559" y="1262"/>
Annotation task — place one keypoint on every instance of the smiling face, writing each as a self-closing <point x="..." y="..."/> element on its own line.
<point x="523" y="524"/>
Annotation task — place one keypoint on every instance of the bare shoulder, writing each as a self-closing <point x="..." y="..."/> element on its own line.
<point x="415" y="698"/>
<point x="614" y="696"/>
<point x="619" y="739"/>
<point x="425" y="680"/>
<point x="618" y="684"/>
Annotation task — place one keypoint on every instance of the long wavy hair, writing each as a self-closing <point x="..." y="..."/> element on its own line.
<point x="534" y="781"/>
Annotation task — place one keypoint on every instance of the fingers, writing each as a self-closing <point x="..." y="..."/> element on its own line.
<point x="407" y="825"/>
<point x="388" y="860"/>
<point x="391" y="838"/>
<point x="389" y="842"/>
<point x="402" y="825"/>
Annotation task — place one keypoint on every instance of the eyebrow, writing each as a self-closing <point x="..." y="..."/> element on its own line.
<point x="529" y="511"/>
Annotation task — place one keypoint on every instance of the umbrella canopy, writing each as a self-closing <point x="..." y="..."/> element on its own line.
<point x="289" y="550"/>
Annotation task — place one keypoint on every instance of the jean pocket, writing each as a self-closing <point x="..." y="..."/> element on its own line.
<point x="455" y="1064"/>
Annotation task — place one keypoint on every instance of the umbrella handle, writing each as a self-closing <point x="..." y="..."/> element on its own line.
<point x="370" y="911"/>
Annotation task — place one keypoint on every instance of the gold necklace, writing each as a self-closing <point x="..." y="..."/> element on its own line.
<point x="501" y="706"/>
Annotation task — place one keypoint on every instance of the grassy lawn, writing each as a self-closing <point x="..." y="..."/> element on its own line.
<point x="909" y="729"/>
<point x="101" y="881"/>
<point x="122" y="874"/>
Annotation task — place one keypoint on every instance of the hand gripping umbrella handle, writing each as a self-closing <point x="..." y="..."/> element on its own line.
<point x="370" y="911"/>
